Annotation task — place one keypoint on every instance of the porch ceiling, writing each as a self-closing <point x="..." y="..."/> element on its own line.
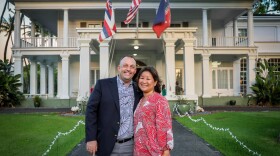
<point x="48" y="18"/>
<point x="144" y="45"/>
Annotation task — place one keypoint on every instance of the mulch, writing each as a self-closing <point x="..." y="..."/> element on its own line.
<point x="4" y="110"/>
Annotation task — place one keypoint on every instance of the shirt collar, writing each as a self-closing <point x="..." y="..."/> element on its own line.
<point x="120" y="81"/>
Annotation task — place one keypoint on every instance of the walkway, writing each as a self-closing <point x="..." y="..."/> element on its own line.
<point x="186" y="144"/>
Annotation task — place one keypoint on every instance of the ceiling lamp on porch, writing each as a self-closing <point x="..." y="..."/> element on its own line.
<point x="136" y="44"/>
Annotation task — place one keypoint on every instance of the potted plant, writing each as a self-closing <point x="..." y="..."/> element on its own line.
<point x="37" y="101"/>
<point x="232" y="102"/>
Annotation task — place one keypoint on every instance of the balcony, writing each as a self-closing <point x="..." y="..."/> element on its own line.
<point x="38" y="42"/>
<point x="224" y="42"/>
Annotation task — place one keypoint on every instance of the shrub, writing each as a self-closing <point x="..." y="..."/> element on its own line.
<point x="10" y="94"/>
<point x="267" y="86"/>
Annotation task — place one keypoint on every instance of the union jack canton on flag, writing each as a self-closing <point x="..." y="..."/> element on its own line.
<point x="109" y="25"/>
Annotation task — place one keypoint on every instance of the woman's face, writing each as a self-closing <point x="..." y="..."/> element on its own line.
<point x="146" y="82"/>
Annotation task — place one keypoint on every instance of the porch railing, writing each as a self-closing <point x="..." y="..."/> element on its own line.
<point x="47" y="42"/>
<point x="224" y="42"/>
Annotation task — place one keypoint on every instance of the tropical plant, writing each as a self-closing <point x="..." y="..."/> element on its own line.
<point x="267" y="86"/>
<point x="10" y="95"/>
<point x="267" y="7"/>
<point x="8" y="28"/>
<point x="37" y="101"/>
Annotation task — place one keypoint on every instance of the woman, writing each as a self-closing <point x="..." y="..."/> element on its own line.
<point x="153" y="134"/>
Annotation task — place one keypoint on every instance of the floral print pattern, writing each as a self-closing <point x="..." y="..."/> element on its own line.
<point x="152" y="126"/>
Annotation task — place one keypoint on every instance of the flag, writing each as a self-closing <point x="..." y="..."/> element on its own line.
<point x="163" y="18"/>
<point x="132" y="11"/>
<point x="109" y="25"/>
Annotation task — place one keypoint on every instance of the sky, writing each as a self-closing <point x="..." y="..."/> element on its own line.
<point x="2" y="37"/>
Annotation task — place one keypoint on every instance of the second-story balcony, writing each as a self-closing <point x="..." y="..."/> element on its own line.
<point x="39" y="42"/>
<point x="221" y="41"/>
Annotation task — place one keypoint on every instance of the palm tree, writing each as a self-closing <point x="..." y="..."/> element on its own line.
<point x="4" y="10"/>
<point x="8" y="27"/>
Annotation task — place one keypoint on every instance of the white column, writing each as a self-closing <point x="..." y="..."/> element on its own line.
<point x="59" y="79"/>
<point x="250" y="28"/>
<point x="65" y="28"/>
<point x="18" y="68"/>
<point x="235" y="31"/>
<point x="33" y="34"/>
<point x="205" y="27"/>
<point x="84" y="77"/>
<point x="50" y="81"/>
<point x="189" y="69"/>
<point x="65" y="76"/>
<point x="17" y="29"/>
<point x="251" y="74"/>
<point x="104" y="59"/>
<point x="236" y="77"/>
<point x="43" y="76"/>
<point x="170" y="66"/>
<point x="206" y="75"/>
<point x="33" y="77"/>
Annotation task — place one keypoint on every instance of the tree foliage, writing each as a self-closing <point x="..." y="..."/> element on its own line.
<point x="267" y="7"/>
<point x="267" y="86"/>
<point x="10" y="95"/>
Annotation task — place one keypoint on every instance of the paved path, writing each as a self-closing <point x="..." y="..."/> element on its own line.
<point x="186" y="144"/>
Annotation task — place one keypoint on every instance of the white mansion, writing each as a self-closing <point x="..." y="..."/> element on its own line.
<point x="211" y="48"/>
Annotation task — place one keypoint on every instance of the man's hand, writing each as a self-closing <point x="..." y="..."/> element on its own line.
<point x="92" y="146"/>
<point x="166" y="153"/>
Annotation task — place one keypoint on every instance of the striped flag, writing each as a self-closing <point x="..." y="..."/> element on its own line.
<point x="163" y="18"/>
<point x="132" y="11"/>
<point x="109" y="25"/>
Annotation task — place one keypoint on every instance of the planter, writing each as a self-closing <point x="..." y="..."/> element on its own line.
<point x="37" y="101"/>
<point x="232" y="102"/>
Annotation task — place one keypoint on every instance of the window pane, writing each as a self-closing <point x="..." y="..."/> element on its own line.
<point x="213" y="79"/>
<point x="231" y="78"/>
<point x="222" y="79"/>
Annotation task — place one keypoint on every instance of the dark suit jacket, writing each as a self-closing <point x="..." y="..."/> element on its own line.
<point x="103" y="114"/>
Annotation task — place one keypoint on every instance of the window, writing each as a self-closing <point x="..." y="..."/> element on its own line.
<point x="185" y="24"/>
<point x="243" y="77"/>
<point x="222" y="77"/>
<point x="176" y="25"/>
<point x="95" y="75"/>
<point x="179" y="76"/>
<point x="242" y="32"/>
<point x="274" y="62"/>
<point x="83" y="24"/>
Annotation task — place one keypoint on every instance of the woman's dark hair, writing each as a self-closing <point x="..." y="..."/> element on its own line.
<point x="154" y="74"/>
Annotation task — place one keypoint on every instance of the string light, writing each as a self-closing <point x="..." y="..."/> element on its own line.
<point x="59" y="134"/>
<point x="175" y="109"/>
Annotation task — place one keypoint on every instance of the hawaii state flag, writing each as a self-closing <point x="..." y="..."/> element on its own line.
<point x="132" y="11"/>
<point x="163" y="18"/>
<point x="109" y="25"/>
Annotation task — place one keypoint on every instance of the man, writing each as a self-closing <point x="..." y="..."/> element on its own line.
<point x="109" y="115"/>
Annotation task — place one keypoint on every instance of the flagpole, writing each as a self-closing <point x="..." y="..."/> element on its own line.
<point x="137" y="21"/>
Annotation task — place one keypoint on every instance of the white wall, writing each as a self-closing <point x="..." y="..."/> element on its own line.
<point x="265" y="33"/>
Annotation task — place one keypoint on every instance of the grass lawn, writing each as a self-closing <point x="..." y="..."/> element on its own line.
<point x="257" y="130"/>
<point x="31" y="134"/>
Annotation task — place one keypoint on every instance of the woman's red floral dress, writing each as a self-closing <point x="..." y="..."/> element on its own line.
<point x="152" y="126"/>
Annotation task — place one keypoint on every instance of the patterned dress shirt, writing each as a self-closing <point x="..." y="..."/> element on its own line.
<point x="126" y="100"/>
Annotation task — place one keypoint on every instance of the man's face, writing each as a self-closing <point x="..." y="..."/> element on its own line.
<point x="127" y="69"/>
